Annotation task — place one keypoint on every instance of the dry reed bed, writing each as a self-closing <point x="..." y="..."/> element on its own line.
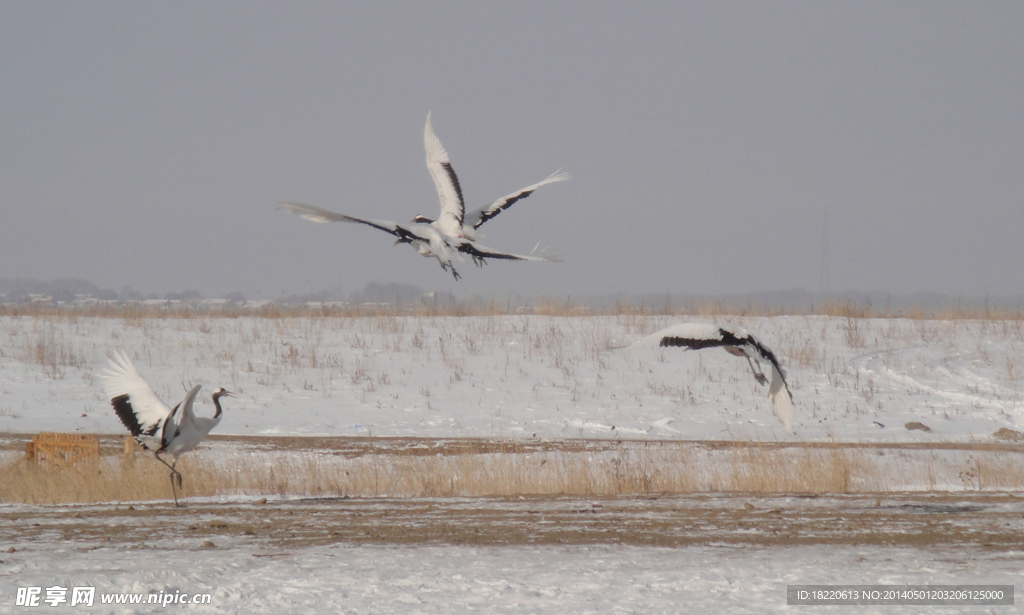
<point x="629" y="470"/>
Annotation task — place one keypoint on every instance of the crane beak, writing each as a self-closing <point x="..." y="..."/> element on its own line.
<point x="227" y="393"/>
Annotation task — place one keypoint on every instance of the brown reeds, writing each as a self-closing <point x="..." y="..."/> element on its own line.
<point x="627" y="470"/>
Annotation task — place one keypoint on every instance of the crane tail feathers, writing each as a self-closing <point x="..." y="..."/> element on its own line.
<point x="782" y="402"/>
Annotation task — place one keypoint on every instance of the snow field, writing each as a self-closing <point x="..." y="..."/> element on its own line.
<point x="540" y="580"/>
<point x="524" y="377"/>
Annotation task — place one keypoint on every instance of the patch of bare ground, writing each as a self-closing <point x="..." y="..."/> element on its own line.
<point x="991" y="521"/>
<point x="359" y="446"/>
<point x="355" y="446"/>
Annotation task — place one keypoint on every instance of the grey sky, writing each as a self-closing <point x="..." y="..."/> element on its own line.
<point x="146" y="144"/>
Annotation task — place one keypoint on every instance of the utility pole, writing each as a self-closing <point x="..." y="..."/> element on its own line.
<point x="824" y="281"/>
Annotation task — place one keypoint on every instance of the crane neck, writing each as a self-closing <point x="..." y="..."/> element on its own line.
<point x="216" y="404"/>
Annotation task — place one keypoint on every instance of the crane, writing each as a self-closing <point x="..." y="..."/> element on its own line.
<point x="736" y="341"/>
<point x="454" y="232"/>
<point x="154" y="425"/>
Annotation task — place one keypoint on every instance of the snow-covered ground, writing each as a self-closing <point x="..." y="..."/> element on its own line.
<point x="543" y="555"/>
<point x="520" y="377"/>
<point x="541" y="580"/>
<point x="526" y="376"/>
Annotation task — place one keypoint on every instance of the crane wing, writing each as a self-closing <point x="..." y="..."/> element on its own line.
<point x="478" y="251"/>
<point x="317" y="214"/>
<point x="691" y="335"/>
<point x="449" y="192"/>
<point x="181" y="414"/>
<point x="134" y="401"/>
<point x="478" y="217"/>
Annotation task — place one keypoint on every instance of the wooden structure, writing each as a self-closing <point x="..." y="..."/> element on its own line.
<point x="130" y="448"/>
<point x="62" y="449"/>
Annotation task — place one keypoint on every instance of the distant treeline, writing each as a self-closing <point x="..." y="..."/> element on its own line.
<point x="408" y="297"/>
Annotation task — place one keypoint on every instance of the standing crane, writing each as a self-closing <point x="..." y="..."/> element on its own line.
<point x="154" y="425"/>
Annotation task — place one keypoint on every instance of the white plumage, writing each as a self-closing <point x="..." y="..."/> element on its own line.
<point x="449" y="192"/>
<point x="156" y="426"/>
<point x="736" y="341"/>
<point x="453" y="219"/>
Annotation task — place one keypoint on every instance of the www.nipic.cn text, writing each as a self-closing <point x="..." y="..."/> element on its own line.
<point x="86" y="596"/>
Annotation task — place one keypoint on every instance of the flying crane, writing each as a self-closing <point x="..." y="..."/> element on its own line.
<point x="736" y="341"/>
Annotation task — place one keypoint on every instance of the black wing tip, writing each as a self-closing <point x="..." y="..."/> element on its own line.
<point x="123" y="408"/>
<point x="686" y="342"/>
<point x="475" y="252"/>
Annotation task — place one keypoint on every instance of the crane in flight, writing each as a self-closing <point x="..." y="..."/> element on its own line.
<point x="736" y="341"/>
<point x="154" y="425"/>
<point x="454" y="232"/>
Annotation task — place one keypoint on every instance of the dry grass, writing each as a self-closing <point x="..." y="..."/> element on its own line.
<point x="43" y="344"/>
<point x="312" y="348"/>
<point x="778" y="471"/>
<point x="675" y="468"/>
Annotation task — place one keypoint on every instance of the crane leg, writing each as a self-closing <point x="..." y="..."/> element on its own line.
<point x="479" y="261"/>
<point x="174" y="473"/>
<point x="449" y="265"/>
<point x="759" y="376"/>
